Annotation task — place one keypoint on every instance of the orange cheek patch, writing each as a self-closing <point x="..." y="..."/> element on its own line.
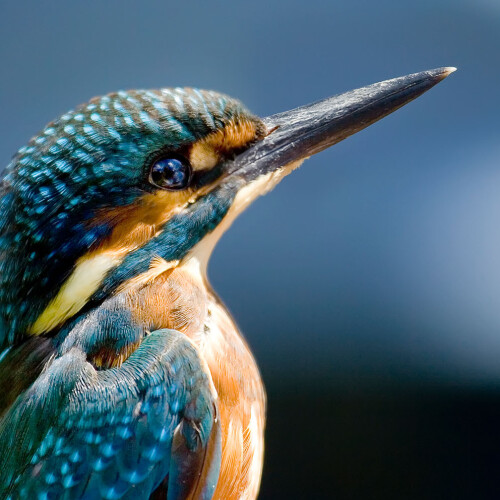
<point x="210" y="150"/>
<point x="137" y="223"/>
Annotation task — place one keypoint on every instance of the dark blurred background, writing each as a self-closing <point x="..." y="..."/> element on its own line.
<point x="368" y="282"/>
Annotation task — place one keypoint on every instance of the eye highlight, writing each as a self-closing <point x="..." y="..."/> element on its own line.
<point x="170" y="173"/>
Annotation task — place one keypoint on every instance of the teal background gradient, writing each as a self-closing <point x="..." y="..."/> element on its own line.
<point x="368" y="282"/>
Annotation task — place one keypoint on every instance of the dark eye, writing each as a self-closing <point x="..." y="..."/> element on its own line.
<point x="170" y="173"/>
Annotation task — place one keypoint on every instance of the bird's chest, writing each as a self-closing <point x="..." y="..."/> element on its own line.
<point x="183" y="302"/>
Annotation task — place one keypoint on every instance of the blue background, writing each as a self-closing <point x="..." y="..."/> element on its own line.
<point x="368" y="282"/>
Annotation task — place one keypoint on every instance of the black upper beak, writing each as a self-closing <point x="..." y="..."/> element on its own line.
<point x="302" y="132"/>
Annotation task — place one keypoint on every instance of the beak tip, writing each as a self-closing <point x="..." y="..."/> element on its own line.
<point x="445" y="72"/>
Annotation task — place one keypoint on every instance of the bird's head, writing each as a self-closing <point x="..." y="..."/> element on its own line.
<point x="140" y="181"/>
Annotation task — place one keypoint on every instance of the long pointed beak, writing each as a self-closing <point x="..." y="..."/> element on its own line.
<point x="305" y="131"/>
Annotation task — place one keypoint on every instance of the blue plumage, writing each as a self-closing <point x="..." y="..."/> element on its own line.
<point x="106" y="434"/>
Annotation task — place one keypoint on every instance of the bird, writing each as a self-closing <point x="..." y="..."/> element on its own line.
<point x="123" y="375"/>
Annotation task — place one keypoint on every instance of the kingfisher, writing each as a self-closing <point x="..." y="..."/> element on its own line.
<point x="122" y="374"/>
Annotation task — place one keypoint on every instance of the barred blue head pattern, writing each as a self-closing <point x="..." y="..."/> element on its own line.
<point x="89" y="158"/>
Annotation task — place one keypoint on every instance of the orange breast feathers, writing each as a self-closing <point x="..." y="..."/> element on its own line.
<point x="180" y="300"/>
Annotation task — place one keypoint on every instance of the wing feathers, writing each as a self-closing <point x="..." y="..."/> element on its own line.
<point x="81" y="433"/>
